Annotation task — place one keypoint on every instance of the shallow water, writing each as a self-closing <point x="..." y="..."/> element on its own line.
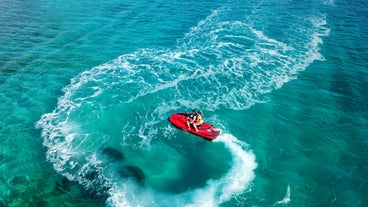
<point x="86" y="89"/>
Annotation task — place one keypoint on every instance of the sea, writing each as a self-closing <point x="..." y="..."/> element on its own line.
<point x="86" y="88"/>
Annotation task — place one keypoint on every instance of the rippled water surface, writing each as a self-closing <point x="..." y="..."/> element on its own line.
<point x="86" y="89"/>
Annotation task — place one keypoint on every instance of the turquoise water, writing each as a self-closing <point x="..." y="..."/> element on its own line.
<point x="86" y="89"/>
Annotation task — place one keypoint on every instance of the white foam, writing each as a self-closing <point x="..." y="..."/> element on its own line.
<point x="222" y="78"/>
<point x="329" y="2"/>
<point x="286" y="199"/>
<point x="214" y="193"/>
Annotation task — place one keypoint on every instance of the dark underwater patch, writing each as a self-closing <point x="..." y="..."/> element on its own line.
<point x="132" y="171"/>
<point x="113" y="153"/>
<point x="63" y="185"/>
<point x="75" y="190"/>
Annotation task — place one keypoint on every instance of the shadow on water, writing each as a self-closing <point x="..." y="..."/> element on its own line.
<point x="204" y="161"/>
<point x="125" y="171"/>
<point x="113" y="153"/>
<point x="137" y="173"/>
<point x="67" y="188"/>
<point x="63" y="185"/>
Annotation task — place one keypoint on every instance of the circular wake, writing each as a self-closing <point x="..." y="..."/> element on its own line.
<point x="109" y="131"/>
<point x="213" y="193"/>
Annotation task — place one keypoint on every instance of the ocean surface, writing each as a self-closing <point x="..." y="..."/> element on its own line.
<point x="86" y="88"/>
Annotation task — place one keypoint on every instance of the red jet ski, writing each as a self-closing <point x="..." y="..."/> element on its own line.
<point x="206" y="130"/>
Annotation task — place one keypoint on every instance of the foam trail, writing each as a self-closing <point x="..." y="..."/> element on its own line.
<point x="126" y="101"/>
<point x="214" y="193"/>
<point x="239" y="177"/>
<point x="286" y="199"/>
